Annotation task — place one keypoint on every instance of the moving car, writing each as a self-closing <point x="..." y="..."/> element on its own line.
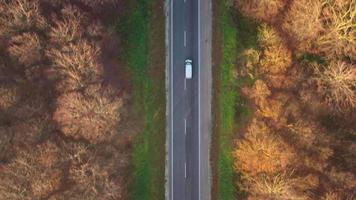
<point x="188" y="69"/>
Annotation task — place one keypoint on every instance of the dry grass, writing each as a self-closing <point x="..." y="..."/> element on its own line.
<point x="265" y="10"/>
<point x="93" y="115"/>
<point x="337" y="82"/>
<point x="339" y="37"/>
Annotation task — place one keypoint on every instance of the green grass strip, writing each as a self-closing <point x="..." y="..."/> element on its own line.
<point x="149" y="150"/>
<point x="237" y="34"/>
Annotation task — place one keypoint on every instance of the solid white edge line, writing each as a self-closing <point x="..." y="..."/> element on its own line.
<point x="185" y="126"/>
<point x="199" y="134"/>
<point x="171" y="70"/>
<point x="185" y="170"/>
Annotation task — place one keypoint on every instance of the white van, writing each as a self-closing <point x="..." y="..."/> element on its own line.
<point x="188" y="69"/>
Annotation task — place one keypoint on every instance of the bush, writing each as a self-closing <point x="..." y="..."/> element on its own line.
<point x="266" y="10"/>
<point x="93" y="115"/>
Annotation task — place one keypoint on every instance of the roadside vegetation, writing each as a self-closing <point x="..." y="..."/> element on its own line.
<point x="231" y="109"/>
<point x="299" y="139"/>
<point x="68" y="127"/>
<point x="142" y="31"/>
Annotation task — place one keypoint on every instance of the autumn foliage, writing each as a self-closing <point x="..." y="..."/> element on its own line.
<point x="297" y="143"/>
<point x="55" y="106"/>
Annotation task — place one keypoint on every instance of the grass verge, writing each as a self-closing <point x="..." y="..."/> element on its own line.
<point x="235" y="34"/>
<point x="143" y="42"/>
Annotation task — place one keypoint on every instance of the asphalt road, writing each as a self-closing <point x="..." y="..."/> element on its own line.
<point x="189" y="100"/>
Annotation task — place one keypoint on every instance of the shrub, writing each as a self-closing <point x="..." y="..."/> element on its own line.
<point x="93" y="115"/>
<point x="260" y="151"/>
<point x="266" y="10"/>
<point x="26" y="48"/>
<point x="337" y="83"/>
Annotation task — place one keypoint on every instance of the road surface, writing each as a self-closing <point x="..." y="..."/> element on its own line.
<point x="189" y="100"/>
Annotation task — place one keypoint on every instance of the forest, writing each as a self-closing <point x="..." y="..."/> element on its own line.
<point x="299" y="142"/>
<point x="65" y="124"/>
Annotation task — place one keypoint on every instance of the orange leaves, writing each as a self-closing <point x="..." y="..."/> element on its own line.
<point x="261" y="151"/>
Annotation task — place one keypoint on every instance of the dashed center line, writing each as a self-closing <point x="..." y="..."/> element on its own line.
<point x="185" y="38"/>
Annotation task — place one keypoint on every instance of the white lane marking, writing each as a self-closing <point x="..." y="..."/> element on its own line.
<point x="185" y="170"/>
<point x="185" y="1"/>
<point x="185" y="126"/>
<point x="171" y="57"/>
<point x="185" y="84"/>
<point x="185" y="38"/>
<point x="199" y="134"/>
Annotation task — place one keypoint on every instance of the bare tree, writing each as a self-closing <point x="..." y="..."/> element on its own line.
<point x="339" y="37"/>
<point x="26" y="48"/>
<point x="77" y="64"/>
<point x="265" y="10"/>
<point x="33" y="174"/>
<point x="19" y="15"/>
<point x="276" y="57"/>
<point x="303" y="21"/>
<point x="70" y="27"/>
<point x="93" y="115"/>
<point x="337" y="82"/>
<point x="261" y="151"/>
